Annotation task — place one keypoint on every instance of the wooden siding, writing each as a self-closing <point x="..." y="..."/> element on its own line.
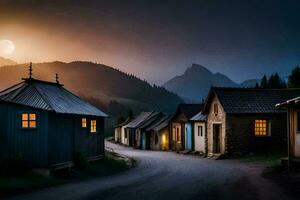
<point x="30" y="144"/>
<point x="199" y="141"/>
<point x="61" y="139"/>
<point x="90" y="144"/>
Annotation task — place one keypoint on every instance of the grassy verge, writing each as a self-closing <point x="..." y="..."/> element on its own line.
<point x="270" y="159"/>
<point x="28" y="181"/>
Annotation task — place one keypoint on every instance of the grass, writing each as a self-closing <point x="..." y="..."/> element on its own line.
<point x="270" y="159"/>
<point x="28" y="181"/>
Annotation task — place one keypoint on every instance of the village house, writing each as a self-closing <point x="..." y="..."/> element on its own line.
<point x="181" y="127"/>
<point x="241" y="120"/>
<point x="133" y="136"/>
<point x="47" y="125"/>
<point x="119" y="131"/>
<point x="293" y="109"/>
<point x="199" y="132"/>
<point x="159" y="134"/>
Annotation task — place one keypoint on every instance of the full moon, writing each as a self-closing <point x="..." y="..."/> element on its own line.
<point x="7" y="47"/>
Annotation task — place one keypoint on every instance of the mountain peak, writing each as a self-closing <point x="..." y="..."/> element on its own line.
<point x="195" y="83"/>
<point x="196" y="69"/>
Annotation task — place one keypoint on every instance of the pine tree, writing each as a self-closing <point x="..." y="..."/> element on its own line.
<point x="264" y="82"/>
<point x="294" y="78"/>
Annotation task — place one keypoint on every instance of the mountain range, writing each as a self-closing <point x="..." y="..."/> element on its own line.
<point x="113" y="91"/>
<point x="194" y="84"/>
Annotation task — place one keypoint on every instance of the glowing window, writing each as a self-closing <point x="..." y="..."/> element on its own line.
<point x="83" y="122"/>
<point x="93" y="126"/>
<point x="262" y="128"/>
<point x="28" y="120"/>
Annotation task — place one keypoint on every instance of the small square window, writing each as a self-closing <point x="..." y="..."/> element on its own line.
<point x="262" y="127"/>
<point x="28" y="120"/>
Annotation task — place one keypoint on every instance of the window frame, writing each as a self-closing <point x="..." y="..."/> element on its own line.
<point x="28" y="113"/>
<point x="84" y="118"/>
<point x="93" y="126"/>
<point x="268" y="127"/>
<point x="200" y="133"/>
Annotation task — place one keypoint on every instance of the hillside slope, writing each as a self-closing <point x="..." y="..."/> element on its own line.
<point x="113" y="91"/>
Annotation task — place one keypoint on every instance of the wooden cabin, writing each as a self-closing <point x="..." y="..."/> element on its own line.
<point x="241" y="120"/>
<point x="133" y="136"/>
<point x="47" y="125"/>
<point x="199" y="132"/>
<point x="293" y="109"/>
<point x="119" y="131"/>
<point x="159" y="134"/>
<point x="181" y="127"/>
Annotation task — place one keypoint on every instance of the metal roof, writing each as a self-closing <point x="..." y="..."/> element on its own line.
<point x="48" y="96"/>
<point x="139" y="120"/>
<point x="291" y="102"/>
<point x="199" y="117"/>
<point x="160" y="124"/>
<point x="246" y="100"/>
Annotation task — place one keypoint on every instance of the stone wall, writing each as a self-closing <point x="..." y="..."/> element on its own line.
<point x="240" y="133"/>
<point x="213" y="118"/>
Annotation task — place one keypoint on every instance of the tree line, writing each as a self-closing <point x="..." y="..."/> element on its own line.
<point x="276" y="82"/>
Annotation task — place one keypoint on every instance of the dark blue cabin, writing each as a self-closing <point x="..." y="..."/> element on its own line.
<point x="47" y="125"/>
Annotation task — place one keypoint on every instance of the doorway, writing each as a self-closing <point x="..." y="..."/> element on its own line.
<point x="216" y="138"/>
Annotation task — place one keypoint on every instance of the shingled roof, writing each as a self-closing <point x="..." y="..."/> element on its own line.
<point x="48" y="96"/>
<point x="246" y="100"/>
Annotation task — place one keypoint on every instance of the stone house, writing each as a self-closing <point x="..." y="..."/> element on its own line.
<point x="242" y="120"/>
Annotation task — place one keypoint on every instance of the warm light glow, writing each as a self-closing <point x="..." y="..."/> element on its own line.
<point x="164" y="139"/>
<point x="28" y="120"/>
<point x="7" y="47"/>
<point x="93" y="126"/>
<point x="83" y="122"/>
<point x="261" y="128"/>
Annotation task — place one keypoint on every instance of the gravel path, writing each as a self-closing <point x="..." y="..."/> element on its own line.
<point x="167" y="175"/>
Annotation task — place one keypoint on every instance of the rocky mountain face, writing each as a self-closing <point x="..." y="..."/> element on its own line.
<point x="194" y="84"/>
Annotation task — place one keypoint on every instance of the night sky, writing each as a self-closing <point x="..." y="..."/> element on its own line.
<point x="157" y="40"/>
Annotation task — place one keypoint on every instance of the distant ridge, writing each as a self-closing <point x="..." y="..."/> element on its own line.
<point x="6" y="61"/>
<point x="115" y="92"/>
<point x="194" y="84"/>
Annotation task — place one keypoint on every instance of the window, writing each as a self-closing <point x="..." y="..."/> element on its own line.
<point x="83" y="122"/>
<point x="215" y="108"/>
<point x="28" y="120"/>
<point x="200" y="131"/>
<point x="298" y="121"/>
<point x="93" y="126"/>
<point x="262" y="127"/>
<point x="178" y="135"/>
